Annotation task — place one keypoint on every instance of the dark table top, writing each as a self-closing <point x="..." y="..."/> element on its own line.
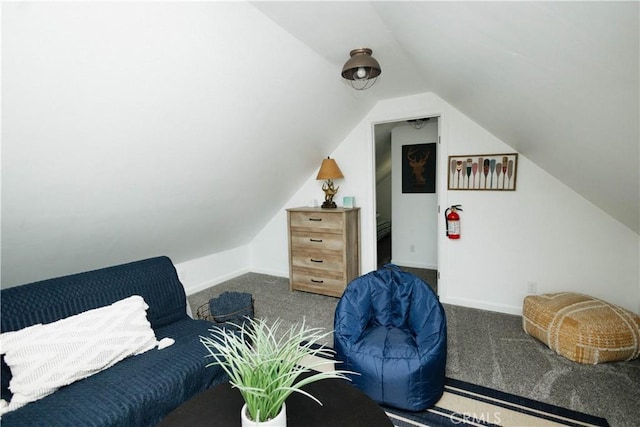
<point x="342" y="405"/>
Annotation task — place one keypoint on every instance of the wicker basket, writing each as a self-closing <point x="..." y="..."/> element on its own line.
<point x="203" y="313"/>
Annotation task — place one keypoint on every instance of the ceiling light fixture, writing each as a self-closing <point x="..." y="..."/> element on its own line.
<point x="418" y="123"/>
<point x="362" y="70"/>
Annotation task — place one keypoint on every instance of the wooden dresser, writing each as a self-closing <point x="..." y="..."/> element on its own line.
<point x="324" y="249"/>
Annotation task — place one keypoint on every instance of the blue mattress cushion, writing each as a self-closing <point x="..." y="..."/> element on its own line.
<point x="138" y="391"/>
<point x="391" y="329"/>
<point x="46" y="301"/>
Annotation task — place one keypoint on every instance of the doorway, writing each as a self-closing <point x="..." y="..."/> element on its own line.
<point x="406" y="221"/>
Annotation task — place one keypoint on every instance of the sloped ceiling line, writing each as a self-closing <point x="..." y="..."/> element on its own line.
<point x="558" y="81"/>
<point x="171" y="110"/>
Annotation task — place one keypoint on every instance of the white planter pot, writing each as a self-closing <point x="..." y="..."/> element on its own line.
<point x="279" y="421"/>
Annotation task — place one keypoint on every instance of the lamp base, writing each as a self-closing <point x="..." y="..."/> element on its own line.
<point x="329" y="205"/>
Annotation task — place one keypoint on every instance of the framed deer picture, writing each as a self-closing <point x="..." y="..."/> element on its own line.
<point x="483" y="172"/>
<point x="419" y="168"/>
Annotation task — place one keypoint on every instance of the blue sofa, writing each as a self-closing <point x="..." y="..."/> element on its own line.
<point x="138" y="391"/>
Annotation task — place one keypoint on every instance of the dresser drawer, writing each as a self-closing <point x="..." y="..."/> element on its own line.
<point x="320" y="283"/>
<point x="316" y="241"/>
<point x="320" y="261"/>
<point x="316" y="221"/>
<point x="324" y="249"/>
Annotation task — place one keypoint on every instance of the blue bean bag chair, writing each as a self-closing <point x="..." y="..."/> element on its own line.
<point x="392" y="330"/>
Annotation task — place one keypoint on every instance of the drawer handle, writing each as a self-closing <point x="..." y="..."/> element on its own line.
<point x="316" y="260"/>
<point x="316" y="240"/>
<point x="317" y="281"/>
<point x="315" y="219"/>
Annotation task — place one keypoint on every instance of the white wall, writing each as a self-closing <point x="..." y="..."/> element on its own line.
<point x="201" y="273"/>
<point x="269" y="249"/>
<point x="415" y="215"/>
<point x="543" y="232"/>
<point x="136" y="129"/>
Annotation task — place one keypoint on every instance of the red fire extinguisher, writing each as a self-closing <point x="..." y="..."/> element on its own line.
<point x="452" y="220"/>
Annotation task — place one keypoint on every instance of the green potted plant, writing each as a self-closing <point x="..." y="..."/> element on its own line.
<point x="264" y="365"/>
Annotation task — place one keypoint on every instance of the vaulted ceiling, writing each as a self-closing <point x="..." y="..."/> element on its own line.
<point x="180" y="128"/>
<point x="558" y="81"/>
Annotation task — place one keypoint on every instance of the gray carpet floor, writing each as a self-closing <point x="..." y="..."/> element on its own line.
<point x="485" y="348"/>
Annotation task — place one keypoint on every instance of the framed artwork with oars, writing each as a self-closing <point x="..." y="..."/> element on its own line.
<point x="483" y="172"/>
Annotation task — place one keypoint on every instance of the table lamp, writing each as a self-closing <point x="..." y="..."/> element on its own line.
<point x="329" y="171"/>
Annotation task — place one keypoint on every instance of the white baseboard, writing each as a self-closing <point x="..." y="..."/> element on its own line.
<point x="192" y="289"/>
<point x="413" y="264"/>
<point x="277" y="273"/>
<point x="482" y="305"/>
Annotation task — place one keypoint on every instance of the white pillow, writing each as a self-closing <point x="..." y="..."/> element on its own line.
<point x="44" y="358"/>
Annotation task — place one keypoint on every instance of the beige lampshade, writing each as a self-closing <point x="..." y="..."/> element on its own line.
<point x="329" y="170"/>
